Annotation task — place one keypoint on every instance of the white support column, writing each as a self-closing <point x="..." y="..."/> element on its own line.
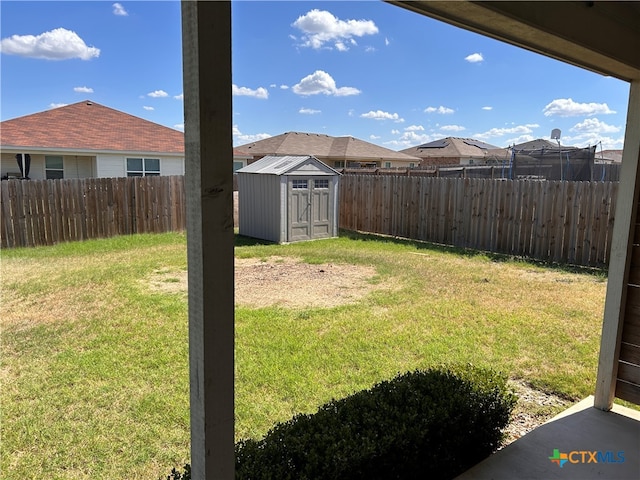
<point x="622" y="243"/>
<point x="206" y="40"/>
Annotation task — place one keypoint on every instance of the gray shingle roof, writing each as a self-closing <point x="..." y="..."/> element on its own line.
<point x="536" y="144"/>
<point x="323" y="146"/>
<point x="453" y="147"/>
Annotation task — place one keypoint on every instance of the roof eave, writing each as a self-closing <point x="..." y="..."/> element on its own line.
<point x="85" y="151"/>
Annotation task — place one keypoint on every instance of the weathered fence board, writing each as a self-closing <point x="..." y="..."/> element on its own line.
<point x="45" y="212"/>
<point x="563" y="222"/>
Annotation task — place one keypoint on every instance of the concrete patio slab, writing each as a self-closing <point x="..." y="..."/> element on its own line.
<point x="581" y="443"/>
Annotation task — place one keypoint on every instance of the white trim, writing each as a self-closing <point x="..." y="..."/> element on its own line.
<point x="87" y="152"/>
<point x="620" y="258"/>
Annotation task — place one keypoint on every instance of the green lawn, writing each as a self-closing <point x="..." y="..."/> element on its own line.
<point x="94" y="362"/>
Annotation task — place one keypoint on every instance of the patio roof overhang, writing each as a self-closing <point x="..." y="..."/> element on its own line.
<point x="600" y="36"/>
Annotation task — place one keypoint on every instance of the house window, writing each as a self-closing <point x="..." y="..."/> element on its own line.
<point x="53" y="167"/>
<point x="299" y="184"/>
<point x="387" y="164"/>
<point x="141" y="167"/>
<point x="412" y="165"/>
<point x="237" y="166"/>
<point x="321" y="183"/>
<point x="338" y="164"/>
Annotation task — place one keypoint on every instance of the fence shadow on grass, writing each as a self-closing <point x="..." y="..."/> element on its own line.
<point x="468" y="252"/>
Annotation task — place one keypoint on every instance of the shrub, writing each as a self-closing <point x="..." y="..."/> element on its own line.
<point x="433" y="423"/>
<point x="424" y="424"/>
<point x="176" y="475"/>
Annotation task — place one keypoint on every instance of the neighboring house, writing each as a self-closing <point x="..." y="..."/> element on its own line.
<point x="240" y="159"/>
<point x="87" y="139"/>
<point x="456" y="151"/>
<point x="609" y="156"/>
<point x="537" y="144"/>
<point x="336" y="152"/>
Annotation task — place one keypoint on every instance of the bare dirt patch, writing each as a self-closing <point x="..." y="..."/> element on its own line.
<point x="288" y="282"/>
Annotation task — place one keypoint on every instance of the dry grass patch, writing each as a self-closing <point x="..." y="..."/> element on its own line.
<point x="287" y="282"/>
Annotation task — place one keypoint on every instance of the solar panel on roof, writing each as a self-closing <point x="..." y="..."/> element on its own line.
<point x="478" y="143"/>
<point x="435" y="144"/>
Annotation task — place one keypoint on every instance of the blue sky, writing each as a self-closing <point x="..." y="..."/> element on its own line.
<point x="366" y="69"/>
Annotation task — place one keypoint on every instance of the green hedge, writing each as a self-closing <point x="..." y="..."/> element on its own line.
<point x="433" y="424"/>
<point x="424" y="424"/>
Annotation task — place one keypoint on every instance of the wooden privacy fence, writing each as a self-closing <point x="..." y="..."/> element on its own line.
<point x="564" y="222"/>
<point x="44" y="212"/>
<point x="555" y="221"/>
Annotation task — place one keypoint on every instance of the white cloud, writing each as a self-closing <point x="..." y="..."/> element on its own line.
<point x="320" y="27"/>
<point x="148" y="108"/>
<point x="374" y="137"/>
<point x="566" y="107"/>
<point x="411" y="138"/>
<point x="441" y="110"/>
<point x="119" y="10"/>
<point x="452" y="128"/>
<point x="499" y="132"/>
<point x="594" y="132"/>
<point x="386" y="41"/>
<point x="308" y="111"/>
<point x="57" y="105"/>
<point x="157" y="94"/>
<point x="179" y="126"/>
<point x="321" y="82"/>
<point x="608" y="143"/>
<point x="341" y="47"/>
<point x="519" y="139"/>
<point x="284" y="87"/>
<point x="240" y="138"/>
<point x="487" y="108"/>
<point x="259" y="92"/>
<point x="594" y="138"/>
<point x="58" y="44"/>
<point x="380" y="115"/>
<point x="179" y="97"/>
<point x="395" y="132"/>
<point x="414" y="128"/>
<point x="83" y="89"/>
<point x="474" y="58"/>
<point x="593" y="125"/>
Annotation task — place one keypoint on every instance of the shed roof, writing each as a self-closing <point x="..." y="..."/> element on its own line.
<point x="325" y="146"/>
<point x="283" y="164"/>
<point x="88" y="125"/>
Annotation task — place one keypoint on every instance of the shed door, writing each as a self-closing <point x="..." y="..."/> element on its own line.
<point x="309" y="209"/>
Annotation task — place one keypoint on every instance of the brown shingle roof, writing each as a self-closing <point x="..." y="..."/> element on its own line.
<point x="88" y="125"/>
<point x="322" y="146"/>
<point x="452" y="147"/>
<point x="536" y="144"/>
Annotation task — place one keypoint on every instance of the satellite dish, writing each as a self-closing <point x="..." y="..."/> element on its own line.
<point x="555" y="134"/>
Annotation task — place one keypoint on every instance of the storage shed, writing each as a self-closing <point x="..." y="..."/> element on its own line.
<point x="288" y="199"/>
